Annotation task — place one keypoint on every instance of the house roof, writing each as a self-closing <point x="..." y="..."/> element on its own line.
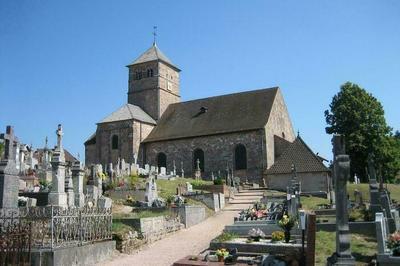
<point x="153" y="54"/>
<point x="128" y="112"/>
<point x="299" y="154"/>
<point x="215" y="115"/>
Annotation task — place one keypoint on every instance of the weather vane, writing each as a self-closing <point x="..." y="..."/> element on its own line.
<point x="154" y="34"/>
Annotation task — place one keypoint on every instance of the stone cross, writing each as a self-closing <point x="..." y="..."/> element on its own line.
<point x="212" y="176"/>
<point x="197" y="173"/>
<point x="10" y="140"/>
<point x="135" y="158"/>
<point x="341" y="171"/>
<point x="182" y="171"/>
<point x="174" y="167"/>
<point x="9" y="180"/>
<point x="375" y="205"/>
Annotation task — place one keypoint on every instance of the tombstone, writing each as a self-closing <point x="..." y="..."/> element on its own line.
<point x="118" y="167"/>
<point x="151" y="193"/>
<point x="57" y="195"/>
<point x="152" y="170"/>
<point x="92" y="185"/>
<point x="212" y="176"/>
<point x="31" y="202"/>
<point x="174" y="169"/>
<point x="9" y="180"/>
<point x="77" y="179"/>
<point x="182" y="171"/>
<point x="146" y="169"/>
<point x="163" y="171"/>
<point x="69" y="189"/>
<point x="341" y="174"/>
<point x="381" y="233"/>
<point x="197" y="173"/>
<point x="375" y="205"/>
<point x="358" y="199"/>
<point x="110" y="172"/>
<point x="189" y="187"/>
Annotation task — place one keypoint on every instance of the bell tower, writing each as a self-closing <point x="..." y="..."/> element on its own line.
<point x="153" y="82"/>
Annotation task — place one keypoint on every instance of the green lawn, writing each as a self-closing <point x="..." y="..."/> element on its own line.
<point x="394" y="190"/>
<point x="363" y="248"/>
<point x="168" y="187"/>
<point x="310" y="203"/>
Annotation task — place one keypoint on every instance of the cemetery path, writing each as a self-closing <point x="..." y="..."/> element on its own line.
<point x="190" y="241"/>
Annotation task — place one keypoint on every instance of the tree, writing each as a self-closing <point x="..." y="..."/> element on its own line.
<point x="1" y="149"/>
<point x="359" y="116"/>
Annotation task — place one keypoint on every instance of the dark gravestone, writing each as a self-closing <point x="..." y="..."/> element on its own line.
<point x="9" y="180"/>
<point x="341" y="171"/>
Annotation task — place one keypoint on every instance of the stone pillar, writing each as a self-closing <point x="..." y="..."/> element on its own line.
<point x="341" y="172"/>
<point x="311" y="235"/>
<point x="92" y="188"/>
<point x="375" y="205"/>
<point x="77" y="177"/>
<point x="57" y="195"/>
<point x="9" y="180"/>
<point x="69" y="189"/>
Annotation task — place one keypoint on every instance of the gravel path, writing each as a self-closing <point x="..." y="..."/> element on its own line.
<point x="185" y="242"/>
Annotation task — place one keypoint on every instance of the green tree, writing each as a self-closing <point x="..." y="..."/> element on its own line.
<point x="359" y="116"/>
<point x="1" y="149"/>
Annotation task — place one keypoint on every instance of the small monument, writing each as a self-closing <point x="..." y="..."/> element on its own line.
<point x="197" y="173"/>
<point x="77" y="178"/>
<point x="57" y="195"/>
<point x="375" y="205"/>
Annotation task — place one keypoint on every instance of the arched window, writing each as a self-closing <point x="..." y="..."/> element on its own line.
<point x="161" y="160"/>
<point x="114" y="142"/>
<point x="240" y="157"/>
<point x="149" y="72"/>
<point x="198" y="154"/>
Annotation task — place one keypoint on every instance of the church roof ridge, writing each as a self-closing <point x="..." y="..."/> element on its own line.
<point x="127" y="112"/>
<point x="153" y="54"/>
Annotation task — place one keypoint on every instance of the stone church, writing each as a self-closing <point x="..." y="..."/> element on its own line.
<point x="235" y="131"/>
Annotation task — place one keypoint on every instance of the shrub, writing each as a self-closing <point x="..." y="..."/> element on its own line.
<point x="219" y="181"/>
<point x="197" y="184"/>
<point x="277" y="236"/>
<point x="225" y="236"/>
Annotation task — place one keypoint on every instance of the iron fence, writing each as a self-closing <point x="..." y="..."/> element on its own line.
<point x="54" y="227"/>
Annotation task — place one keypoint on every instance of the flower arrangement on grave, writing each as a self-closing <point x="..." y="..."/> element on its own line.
<point x="277" y="236"/>
<point x="222" y="253"/>
<point x="286" y="223"/>
<point x="256" y="234"/>
<point x="393" y="243"/>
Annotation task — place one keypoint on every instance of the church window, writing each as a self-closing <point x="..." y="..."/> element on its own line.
<point x="240" y="157"/>
<point x="149" y="72"/>
<point x="114" y="142"/>
<point x="161" y="160"/>
<point x="198" y="154"/>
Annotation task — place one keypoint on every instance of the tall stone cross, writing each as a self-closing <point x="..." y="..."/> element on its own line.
<point x="10" y="140"/>
<point x="59" y="133"/>
<point x="341" y="173"/>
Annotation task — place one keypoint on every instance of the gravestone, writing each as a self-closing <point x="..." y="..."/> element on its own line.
<point x="92" y="189"/>
<point x="341" y="174"/>
<point x="57" y="195"/>
<point x="375" y="205"/>
<point x="146" y="169"/>
<point x="197" y="173"/>
<point x="358" y="199"/>
<point x="212" y="176"/>
<point x="77" y="178"/>
<point x="189" y="187"/>
<point x="163" y="171"/>
<point x="151" y="193"/>
<point x="173" y="168"/>
<point x="9" y="180"/>
<point x="69" y="189"/>
<point x="182" y="171"/>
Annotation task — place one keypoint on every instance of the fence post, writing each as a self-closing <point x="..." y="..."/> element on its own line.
<point x="80" y="226"/>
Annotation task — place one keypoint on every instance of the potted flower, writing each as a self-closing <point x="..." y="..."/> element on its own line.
<point x="277" y="236"/>
<point x="393" y="243"/>
<point x="287" y="223"/>
<point x="256" y="234"/>
<point x="221" y="253"/>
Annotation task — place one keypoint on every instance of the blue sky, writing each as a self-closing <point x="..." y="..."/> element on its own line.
<point x="64" y="61"/>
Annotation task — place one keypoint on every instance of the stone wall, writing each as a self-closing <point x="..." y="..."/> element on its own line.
<point x="310" y="182"/>
<point x="279" y="124"/>
<point x="214" y="201"/>
<point x="218" y="151"/>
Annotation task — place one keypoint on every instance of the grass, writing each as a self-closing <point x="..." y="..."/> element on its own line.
<point x="311" y="203"/>
<point x="120" y="228"/>
<point x="142" y="214"/>
<point x="394" y="190"/>
<point x="363" y="248"/>
<point x="168" y="187"/>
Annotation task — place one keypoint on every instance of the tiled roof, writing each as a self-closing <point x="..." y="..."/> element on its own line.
<point x="153" y="54"/>
<point x="216" y="115"/>
<point x="128" y="112"/>
<point x="299" y="154"/>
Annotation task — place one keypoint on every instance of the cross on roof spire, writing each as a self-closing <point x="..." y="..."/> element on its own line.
<point x="154" y="35"/>
<point x="10" y="139"/>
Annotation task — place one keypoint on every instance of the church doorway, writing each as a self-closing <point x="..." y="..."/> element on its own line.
<point x="198" y="154"/>
<point x="240" y="157"/>
<point x="161" y="160"/>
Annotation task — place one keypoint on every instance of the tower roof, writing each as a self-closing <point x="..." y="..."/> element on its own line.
<point x="128" y="112"/>
<point x="153" y="54"/>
